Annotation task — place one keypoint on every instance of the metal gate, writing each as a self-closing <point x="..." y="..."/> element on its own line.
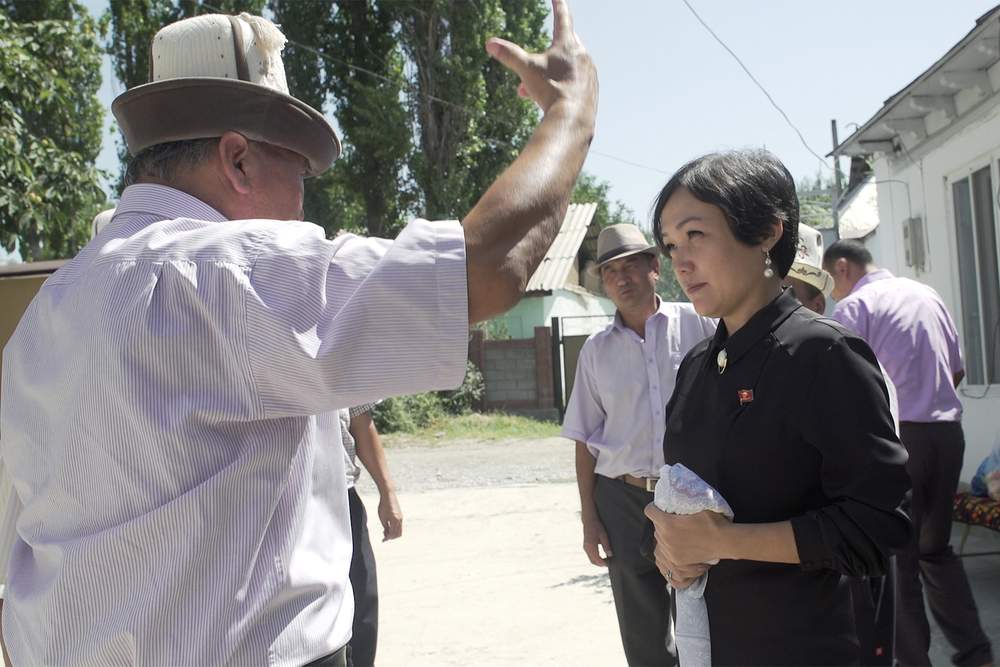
<point x="568" y="336"/>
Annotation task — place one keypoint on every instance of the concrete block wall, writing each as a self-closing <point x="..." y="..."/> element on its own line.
<point x="517" y="373"/>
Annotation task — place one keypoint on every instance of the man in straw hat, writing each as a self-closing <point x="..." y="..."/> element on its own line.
<point x="624" y="378"/>
<point x="169" y="399"/>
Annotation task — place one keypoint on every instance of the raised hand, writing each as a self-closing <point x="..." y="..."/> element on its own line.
<point x="562" y="72"/>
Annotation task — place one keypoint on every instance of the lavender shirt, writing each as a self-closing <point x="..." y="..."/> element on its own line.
<point x="913" y="336"/>
<point x="169" y="425"/>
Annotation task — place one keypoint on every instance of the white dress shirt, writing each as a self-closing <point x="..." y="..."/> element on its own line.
<point x="169" y="423"/>
<point x="623" y="383"/>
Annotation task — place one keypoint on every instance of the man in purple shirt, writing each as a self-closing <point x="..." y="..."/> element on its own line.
<point x="913" y="336"/>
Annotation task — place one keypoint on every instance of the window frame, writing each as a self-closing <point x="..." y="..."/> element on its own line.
<point x="991" y="161"/>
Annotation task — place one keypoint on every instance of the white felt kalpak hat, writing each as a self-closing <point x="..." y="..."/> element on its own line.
<point x="808" y="264"/>
<point x="214" y="73"/>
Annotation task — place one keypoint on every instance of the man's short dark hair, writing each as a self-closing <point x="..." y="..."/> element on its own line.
<point x="752" y="188"/>
<point x="852" y="250"/>
<point x="163" y="161"/>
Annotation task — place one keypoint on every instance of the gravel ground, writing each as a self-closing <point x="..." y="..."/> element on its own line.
<point x="490" y="571"/>
<point x="420" y="466"/>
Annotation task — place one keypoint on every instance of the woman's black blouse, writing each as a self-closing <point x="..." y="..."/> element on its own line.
<point x="796" y="427"/>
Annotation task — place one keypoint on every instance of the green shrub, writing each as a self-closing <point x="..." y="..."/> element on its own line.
<point x="407" y="413"/>
<point x="461" y="401"/>
<point x="411" y="413"/>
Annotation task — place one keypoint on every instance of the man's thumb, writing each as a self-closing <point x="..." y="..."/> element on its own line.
<point x="510" y="55"/>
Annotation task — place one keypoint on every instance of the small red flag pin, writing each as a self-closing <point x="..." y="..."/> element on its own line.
<point x="745" y="395"/>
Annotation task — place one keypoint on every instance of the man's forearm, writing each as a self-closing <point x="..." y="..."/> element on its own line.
<point x="585" y="478"/>
<point x="369" y="449"/>
<point x="511" y="227"/>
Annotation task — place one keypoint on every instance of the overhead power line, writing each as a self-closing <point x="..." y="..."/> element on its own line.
<point x="759" y="85"/>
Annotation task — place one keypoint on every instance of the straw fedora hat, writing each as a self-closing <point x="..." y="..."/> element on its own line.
<point x="214" y="73"/>
<point x="808" y="264"/>
<point x="616" y="241"/>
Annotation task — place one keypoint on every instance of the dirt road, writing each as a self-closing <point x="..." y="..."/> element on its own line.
<point x="489" y="570"/>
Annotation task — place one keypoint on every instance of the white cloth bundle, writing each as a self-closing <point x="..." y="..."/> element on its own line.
<point x="680" y="491"/>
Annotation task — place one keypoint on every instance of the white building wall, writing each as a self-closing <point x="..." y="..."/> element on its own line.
<point x="927" y="171"/>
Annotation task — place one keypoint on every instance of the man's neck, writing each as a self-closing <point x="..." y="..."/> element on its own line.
<point x="635" y="319"/>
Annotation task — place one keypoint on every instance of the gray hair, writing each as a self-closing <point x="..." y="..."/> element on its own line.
<point x="163" y="161"/>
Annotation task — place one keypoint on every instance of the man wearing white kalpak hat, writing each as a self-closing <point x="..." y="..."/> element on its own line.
<point x="624" y="378"/>
<point x="810" y="283"/>
<point x="168" y="417"/>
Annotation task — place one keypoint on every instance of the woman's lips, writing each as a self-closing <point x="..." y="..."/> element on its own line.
<point x="695" y="288"/>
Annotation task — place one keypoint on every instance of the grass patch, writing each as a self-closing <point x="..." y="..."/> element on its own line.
<point x="476" y="426"/>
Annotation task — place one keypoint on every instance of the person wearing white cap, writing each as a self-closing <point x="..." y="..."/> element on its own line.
<point x="169" y="418"/>
<point x="615" y="414"/>
<point x="874" y="606"/>
<point x="807" y="279"/>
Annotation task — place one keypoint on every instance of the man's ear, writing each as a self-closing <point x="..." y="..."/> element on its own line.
<point x="233" y="150"/>
<point x="654" y="264"/>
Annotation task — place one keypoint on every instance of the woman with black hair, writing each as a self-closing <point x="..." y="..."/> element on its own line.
<point x="785" y="414"/>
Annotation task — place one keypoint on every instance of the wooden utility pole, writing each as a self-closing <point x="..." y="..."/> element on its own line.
<point x="837" y="185"/>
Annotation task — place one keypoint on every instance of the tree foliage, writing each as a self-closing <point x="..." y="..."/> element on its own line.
<point x="428" y="119"/>
<point x="50" y="126"/>
<point x="816" y="201"/>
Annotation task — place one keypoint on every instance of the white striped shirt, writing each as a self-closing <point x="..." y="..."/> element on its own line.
<point x="623" y="382"/>
<point x="169" y="422"/>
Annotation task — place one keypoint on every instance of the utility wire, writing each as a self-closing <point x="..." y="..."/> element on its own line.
<point x="412" y="88"/>
<point x="759" y="85"/>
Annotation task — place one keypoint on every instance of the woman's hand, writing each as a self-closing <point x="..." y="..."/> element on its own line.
<point x="686" y="543"/>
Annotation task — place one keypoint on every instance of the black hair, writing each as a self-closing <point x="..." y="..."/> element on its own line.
<point x="852" y="250"/>
<point x="752" y="188"/>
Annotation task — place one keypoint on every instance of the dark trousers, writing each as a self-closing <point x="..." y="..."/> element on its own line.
<point x="935" y="463"/>
<point x="361" y="648"/>
<point x="640" y="591"/>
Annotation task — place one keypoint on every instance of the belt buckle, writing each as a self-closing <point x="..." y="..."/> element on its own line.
<point x="651" y="484"/>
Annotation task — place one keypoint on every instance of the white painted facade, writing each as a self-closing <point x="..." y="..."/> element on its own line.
<point x="918" y="183"/>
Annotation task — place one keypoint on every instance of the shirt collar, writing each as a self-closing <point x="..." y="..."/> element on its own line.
<point x="165" y="203"/>
<point x="880" y="274"/>
<point x="763" y="322"/>
<point x="661" y="311"/>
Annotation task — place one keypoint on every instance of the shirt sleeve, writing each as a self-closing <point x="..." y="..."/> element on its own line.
<point x="359" y="410"/>
<point x="585" y="414"/>
<point x="333" y="324"/>
<point x="849" y="313"/>
<point x="9" y="513"/>
<point x="846" y="416"/>
<point x="955" y="361"/>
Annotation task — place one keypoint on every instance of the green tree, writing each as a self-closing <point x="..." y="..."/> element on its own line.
<point x="50" y="126"/>
<point x="346" y="55"/>
<point x="816" y="201"/>
<point x="133" y="25"/>
<point x="469" y="121"/>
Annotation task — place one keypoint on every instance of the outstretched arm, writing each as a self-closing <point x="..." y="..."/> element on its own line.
<point x="509" y="230"/>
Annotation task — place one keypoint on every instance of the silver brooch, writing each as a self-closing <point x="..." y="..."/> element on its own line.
<point x="721" y="361"/>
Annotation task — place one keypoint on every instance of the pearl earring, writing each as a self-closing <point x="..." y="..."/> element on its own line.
<point x="768" y="271"/>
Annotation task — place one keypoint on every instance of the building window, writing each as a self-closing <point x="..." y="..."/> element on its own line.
<point x="979" y="277"/>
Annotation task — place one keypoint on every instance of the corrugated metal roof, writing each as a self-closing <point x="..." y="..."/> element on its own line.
<point x="561" y="257"/>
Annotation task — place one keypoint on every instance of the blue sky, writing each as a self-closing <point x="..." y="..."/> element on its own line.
<point x="669" y="92"/>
